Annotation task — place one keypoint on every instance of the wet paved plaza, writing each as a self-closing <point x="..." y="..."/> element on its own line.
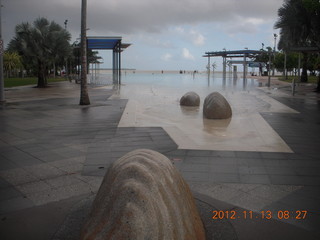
<point x="54" y="152"/>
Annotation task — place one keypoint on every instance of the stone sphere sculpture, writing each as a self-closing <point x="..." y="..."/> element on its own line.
<point x="143" y="196"/>
<point x="215" y="106"/>
<point x="191" y="99"/>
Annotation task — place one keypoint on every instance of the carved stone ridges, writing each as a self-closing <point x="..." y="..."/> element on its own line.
<point x="215" y="106"/>
<point x="191" y="99"/>
<point x="143" y="196"/>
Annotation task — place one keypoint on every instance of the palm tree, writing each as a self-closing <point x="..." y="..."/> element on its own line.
<point x="296" y="28"/>
<point x="11" y="62"/>
<point x="40" y="44"/>
<point x="59" y="50"/>
<point x="84" y="96"/>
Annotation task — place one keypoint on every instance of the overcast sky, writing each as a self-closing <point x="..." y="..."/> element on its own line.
<point x="166" y="34"/>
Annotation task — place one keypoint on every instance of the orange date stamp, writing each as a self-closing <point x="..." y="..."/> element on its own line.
<point x="266" y="214"/>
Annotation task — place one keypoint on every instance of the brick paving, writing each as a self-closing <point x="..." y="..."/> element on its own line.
<point x="53" y="153"/>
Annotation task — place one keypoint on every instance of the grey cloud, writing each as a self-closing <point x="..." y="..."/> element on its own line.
<point x="128" y="16"/>
<point x="155" y="15"/>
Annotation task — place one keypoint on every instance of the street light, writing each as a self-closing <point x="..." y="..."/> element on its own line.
<point x="2" y="98"/>
<point x="275" y="40"/>
<point x="274" y="52"/>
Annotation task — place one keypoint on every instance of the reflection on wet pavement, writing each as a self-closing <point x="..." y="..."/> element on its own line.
<point x="154" y="101"/>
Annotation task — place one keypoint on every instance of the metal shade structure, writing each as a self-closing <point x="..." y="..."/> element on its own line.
<point x="106" y="43"/>
<point x="110" y="43"/>
<point x="234" y="54"/>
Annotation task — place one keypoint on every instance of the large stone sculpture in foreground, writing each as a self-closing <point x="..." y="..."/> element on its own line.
<point x="191" y="99"/>
<point x="143" y="196"/>
<point x="215" y="106"/>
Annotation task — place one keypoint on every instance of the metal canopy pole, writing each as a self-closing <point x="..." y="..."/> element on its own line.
<point x="120" y="63"/>
<point x="224" y="59"/>
<point x="113" y="66"/>
<point x="244" y="66"/>
<point x="117" y="64"/>
<point x="209" y="66"/>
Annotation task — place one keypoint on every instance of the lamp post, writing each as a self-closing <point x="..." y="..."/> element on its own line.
<point x="274" y="52"/>
<point x="2" y="99"/>
<point x="269" y="77"/>
<point x="65" y="24"/>
<point x="67" y="70"/>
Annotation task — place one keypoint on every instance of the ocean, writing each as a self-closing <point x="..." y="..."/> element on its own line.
<point x="175" y="80"/>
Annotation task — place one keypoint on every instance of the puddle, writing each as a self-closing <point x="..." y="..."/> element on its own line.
<point x="154" y="102"/>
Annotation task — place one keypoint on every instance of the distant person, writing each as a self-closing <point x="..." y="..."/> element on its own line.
<point x="260" y="69"/>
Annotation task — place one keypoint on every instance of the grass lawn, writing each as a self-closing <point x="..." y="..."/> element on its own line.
<point x="311" y="79"/>
<point x="15" y="82"/>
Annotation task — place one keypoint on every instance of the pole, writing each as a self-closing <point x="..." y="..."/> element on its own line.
<point x="117" y="65"/>
<point x="114" y="66"/>
<point x="2" y="98"/>
<point x="67" y="70"/>
<point x="65" y="24"/>
<point x="274" y="53"/>
<point x="269" y="77"/>
<point x="285" y="65"/>
<point x="120" y="64"/>
<point x="244" y="66"/>
<point x="299" y="66"/>
<point x="224" y="60"/>
<point x="208" y="66"/>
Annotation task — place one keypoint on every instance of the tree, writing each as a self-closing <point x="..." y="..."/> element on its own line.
<point x="60" y="51"/>
<point x="279" y="60"/>
<point x="11" y="62"/>
<point x="291" y="63"/>
<point x="312" y="64"/>
<point x="317" y="67"/>
<point x="263" y="57"/>
<point x="299" y="27"/>
<point x="84" y="96"/>
<point x="74" y="59"/>
<point x="313" y="9"/>
<point x="40" y="45"/>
